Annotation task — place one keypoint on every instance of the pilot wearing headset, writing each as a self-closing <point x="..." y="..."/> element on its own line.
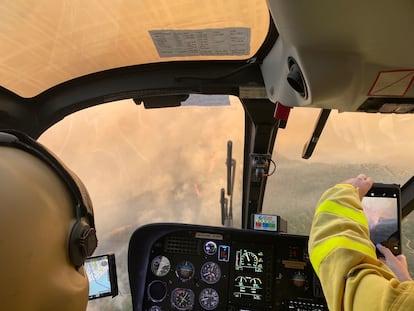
<point x="46" y="229"/>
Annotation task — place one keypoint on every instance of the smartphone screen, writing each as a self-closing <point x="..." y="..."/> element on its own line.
<point x="382" y="207"/>
<point x="101" y="272"/>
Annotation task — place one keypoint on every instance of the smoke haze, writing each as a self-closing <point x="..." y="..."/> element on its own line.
<point x="168" y="165"/>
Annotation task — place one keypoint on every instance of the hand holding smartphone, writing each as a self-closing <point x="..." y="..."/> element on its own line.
<point x="382" y="208"/>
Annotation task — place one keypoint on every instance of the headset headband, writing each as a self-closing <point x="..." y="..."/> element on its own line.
<point x="83" y="239"/>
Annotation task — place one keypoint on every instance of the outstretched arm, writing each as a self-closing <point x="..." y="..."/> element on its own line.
<point x="344" y="258"/>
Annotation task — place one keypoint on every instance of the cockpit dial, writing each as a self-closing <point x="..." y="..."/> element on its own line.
<point x="185" y="270"/>
<point x="210" y="272"/>
<point x="160" y="265"/>
<point x="157" y="291"/>
<point x="182" y="299"/>
<point x="249" y="259"/>
<point x="210" y="248"/>
<point x="209" y="298"/>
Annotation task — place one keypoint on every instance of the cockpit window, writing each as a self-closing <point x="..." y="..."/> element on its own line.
<point x="42" y="46"/>
<point x="168" y="165"/>
<point x="150" y="165"/>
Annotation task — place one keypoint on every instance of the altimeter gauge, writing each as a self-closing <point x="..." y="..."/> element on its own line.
<point x="210" y="272"/>
<point x="209" y="298"/>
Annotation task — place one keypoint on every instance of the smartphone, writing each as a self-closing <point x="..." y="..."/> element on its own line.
<point x="382" y="207"/>
<point x="101" y="272"/>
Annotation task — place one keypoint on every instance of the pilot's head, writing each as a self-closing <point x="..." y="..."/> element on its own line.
<point x="46" y="229"/>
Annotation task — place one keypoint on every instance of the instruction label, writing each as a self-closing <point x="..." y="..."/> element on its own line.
<point x="234" y="41"/>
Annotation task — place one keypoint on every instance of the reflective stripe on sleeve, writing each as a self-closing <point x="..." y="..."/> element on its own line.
<point x="340" y="210"/>
<point x="323" y="249"/>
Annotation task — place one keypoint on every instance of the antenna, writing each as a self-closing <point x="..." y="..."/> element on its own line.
<point x="320" y="124"/>
<point x="223" y="204"/>
<point x="227" y="203"/>
<point x="228" y="164"/>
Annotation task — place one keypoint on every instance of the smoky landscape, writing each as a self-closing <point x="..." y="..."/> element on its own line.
<point x="168" y="165"/>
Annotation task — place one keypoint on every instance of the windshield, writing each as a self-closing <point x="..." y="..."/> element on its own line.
<point x="168" y="165"/>
<point x="43" y="45"/>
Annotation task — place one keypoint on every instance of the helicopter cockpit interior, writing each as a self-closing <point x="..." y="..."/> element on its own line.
<point x="217" y="268"/>
<point x="206" y="132"/>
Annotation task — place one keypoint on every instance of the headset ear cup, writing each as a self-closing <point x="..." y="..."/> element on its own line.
<point x="82" y="242"/>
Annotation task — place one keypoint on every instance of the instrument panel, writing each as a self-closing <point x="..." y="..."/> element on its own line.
<point x="186" y="267"/>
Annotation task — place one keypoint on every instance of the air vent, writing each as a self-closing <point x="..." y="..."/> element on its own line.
<point x="295" y="78"/>
<point x="181" y="245"/>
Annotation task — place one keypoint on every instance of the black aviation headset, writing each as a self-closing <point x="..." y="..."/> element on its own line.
<point x="83" y="240"/>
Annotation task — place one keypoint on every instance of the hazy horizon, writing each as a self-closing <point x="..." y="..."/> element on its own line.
<point x="168" y="165"/>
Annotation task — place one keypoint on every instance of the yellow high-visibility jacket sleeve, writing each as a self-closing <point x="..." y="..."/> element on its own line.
<point x="344" y="258"/>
